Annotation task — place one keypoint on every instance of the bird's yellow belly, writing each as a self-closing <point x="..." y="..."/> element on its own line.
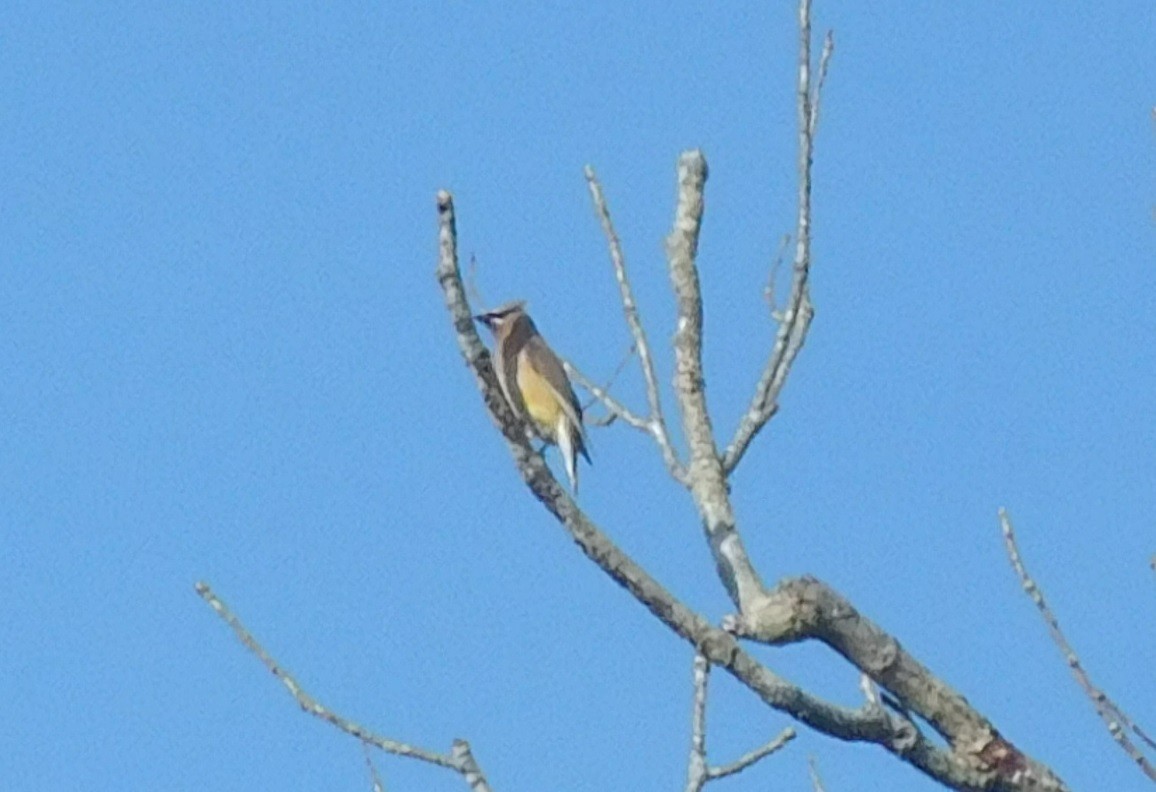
<point x="541" y="403"/>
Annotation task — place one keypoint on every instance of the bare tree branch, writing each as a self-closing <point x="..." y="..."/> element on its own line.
<point x="977" y="757"/>
<point x="656" y="422"/>
<point x="472" y="281"/>
<point x="805" y="608"/>
<point x="824" y="62"/>
<point x="460" y="760"/>
<point x="1119" y="723"/>
<point x="769" y="289"/>
<point x="577" y="375"/>
<point x="708" y="484"/>
<point x="697" y="770"/>
<point x="816" y="782"/>
<point x="993" y="765"/>
<point x="374" y="777"/>
<point x="749" y="758"/>
<point x="612" y="405"/>
<point x="796" y="321"/>
<point x="464" y="758"/>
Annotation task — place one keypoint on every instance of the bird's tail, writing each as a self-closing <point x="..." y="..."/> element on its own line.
<point x="570" y="444"/>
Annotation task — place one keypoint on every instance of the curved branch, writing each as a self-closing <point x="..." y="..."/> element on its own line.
<point x="1119" y="723"/>
<point x="459" y="760"/>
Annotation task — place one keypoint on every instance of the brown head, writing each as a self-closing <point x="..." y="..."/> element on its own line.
<point x="502" y="319"/>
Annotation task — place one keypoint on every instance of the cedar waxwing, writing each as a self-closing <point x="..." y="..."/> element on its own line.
<point x="535" y="384"/>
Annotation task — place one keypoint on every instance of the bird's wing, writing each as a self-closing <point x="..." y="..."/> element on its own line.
<point x="545" y="362"/>
<point x="507" y="376"/>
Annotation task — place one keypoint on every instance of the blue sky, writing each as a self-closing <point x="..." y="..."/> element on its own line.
<point x="225" y="358"/>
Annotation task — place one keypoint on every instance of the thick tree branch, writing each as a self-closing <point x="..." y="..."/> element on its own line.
<point x="708" y="484"/>
<point x="656" y="423"/>
<point x="806" y="608"/>
<point x="986" y="767"/>
<point x="1119" y="723"/>
<point x="459" y="760"/>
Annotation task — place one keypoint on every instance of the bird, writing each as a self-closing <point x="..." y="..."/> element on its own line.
<point x="535" y="383"/>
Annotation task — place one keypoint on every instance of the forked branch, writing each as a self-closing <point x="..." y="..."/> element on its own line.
<point x="699" y="771"/>
<point x="976" y="756"/>
<point x="797" y="315"/>
<point x="991" y="766"/>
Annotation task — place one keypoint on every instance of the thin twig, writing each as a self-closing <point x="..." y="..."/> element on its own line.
<point x="472" y="281"/>
<point x="614" y="408"/>
<point x="748" y="759"/>
<point x="612" y="405"/>
<point x="313" y="707"/>
<point x="378" y="784"/>
<point x="816" y="782"/>
<point x="776" y="265"/>
<point x="824" y="62"/>
<point x="657" y="422"/>
<point x="799" y="312"/>
<point x="697" y="771"/>
<point x="607" y="418"/>
<point x="631" y="352"/>
<point x="1117" y="721"/>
